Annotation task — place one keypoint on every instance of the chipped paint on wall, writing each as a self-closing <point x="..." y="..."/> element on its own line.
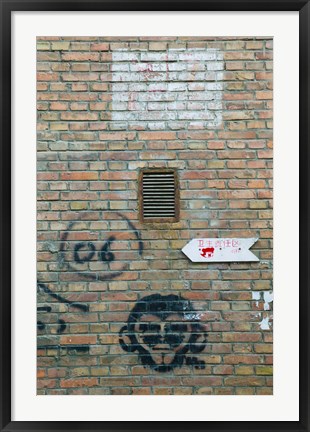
<point x="264" y="324"/>
<point x="266" y="296"/>
<point x="256" y="296"/>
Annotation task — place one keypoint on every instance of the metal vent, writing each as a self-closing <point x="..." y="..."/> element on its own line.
<point x="159" y="196"/>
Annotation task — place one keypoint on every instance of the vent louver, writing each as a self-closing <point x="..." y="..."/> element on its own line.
<point x="159" y="196"/>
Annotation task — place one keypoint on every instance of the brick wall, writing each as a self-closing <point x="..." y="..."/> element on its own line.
<point x="121" y="310"/>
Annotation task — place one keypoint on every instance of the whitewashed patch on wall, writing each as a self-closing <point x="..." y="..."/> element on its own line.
<point x="181" y="87"/>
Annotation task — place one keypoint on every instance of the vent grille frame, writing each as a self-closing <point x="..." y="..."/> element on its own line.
<point x="163" y="184"/>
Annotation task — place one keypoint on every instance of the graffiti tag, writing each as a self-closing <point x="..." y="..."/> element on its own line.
<point x="76" y="256"/>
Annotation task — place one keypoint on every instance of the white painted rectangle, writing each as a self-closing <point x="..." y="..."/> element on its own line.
<point x="220" y="250"/>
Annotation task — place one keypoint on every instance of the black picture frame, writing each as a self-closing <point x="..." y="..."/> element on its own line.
<point x="7" y="7"/>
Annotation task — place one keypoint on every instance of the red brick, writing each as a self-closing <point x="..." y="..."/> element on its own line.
<point x="99" y="47"/>
<point x="80" y="56"/>
<point x="58" y="106"/>
<point x="244" y="381"/>
<point x="157" y="135"/>
<point x="47" y="76"/>
<point x="243" y="359"/>
<point x="79" y="382"/>
<point x="79" y="175"/>
<point x="117" y="136"/>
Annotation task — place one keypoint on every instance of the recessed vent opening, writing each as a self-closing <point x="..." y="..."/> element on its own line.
<point x="159" y="196"/>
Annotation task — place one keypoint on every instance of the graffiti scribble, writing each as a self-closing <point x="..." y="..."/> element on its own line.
<point x="61" y="324"/>
<point x="61" y="299"/>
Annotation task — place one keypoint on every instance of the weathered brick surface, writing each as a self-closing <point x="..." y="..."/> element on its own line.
<point x="108" y="107"/>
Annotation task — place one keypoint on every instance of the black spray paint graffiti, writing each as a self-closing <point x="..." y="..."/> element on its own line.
<point x="61" y="324"/>
<point x="41" y="326"/>
<point x="61" y="299"/>
<point x="74" y="256"/>
<point x="104" y="253"/>
<point x="163" y="330"/>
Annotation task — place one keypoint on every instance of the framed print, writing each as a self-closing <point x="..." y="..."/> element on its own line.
<point x="153" y="266"/>
<point x="157" y="296"/>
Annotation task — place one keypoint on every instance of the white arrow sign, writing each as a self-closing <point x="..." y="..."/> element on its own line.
<point x="220" y="250"/>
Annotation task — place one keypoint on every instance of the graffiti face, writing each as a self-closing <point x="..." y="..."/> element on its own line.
<point x="163" y="339"/>
<point x="163" y="329"/>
